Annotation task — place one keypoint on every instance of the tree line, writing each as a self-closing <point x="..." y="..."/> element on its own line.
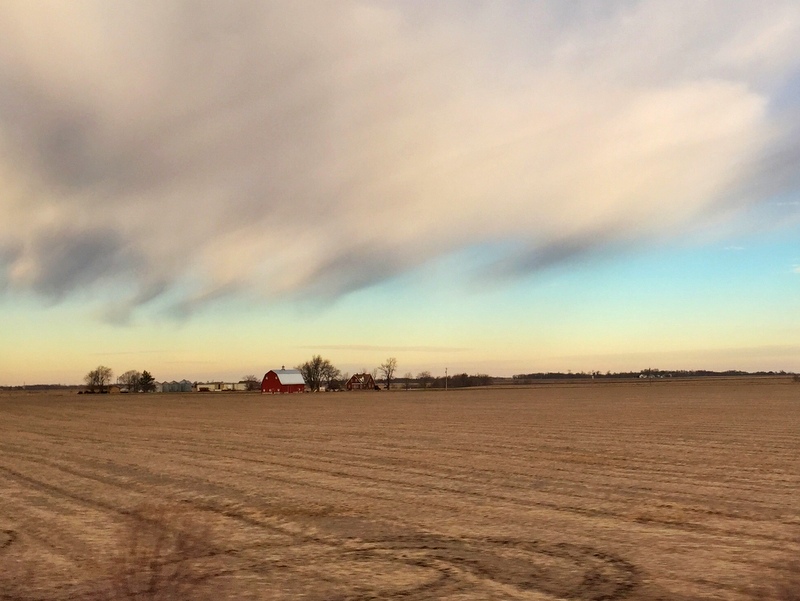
<point x="424" y="379"/>
<point x="648" y="372"/>
<point x="319" y="372"/>
<point x="99" y="380"/>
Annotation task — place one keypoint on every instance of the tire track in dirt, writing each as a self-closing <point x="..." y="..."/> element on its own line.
<point x="732" y="485"/>
<point x="60" y="491"/>
<point x="127" y="487"/>
<point x="602" y="576"/>
<point x="482" y="493"/>
<point x="623" y="487"/>
<point x="604" y="580"/>
<point x="562" y="570"/>
<point x="485" y="492"/>
<point x="580" y="496"/>
<point x="680" y="524"/>
<point x="737" y="486"/>
<point x="585" y="573"/>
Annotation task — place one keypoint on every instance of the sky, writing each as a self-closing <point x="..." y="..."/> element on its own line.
<point x="208" y="190"/>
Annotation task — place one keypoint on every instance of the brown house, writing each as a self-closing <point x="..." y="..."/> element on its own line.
<point x="361" y="382"/>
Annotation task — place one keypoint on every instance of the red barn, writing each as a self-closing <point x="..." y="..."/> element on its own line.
<point x="283" y="380"/>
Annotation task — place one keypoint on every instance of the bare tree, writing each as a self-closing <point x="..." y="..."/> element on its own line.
<point x="91" y="380"/>
<point x="130" y="379"/>
<point x="408" y="377"/>
<point x="388" y="368"/>
<point x="317" y="371"/>
<point x="251" y="381"/>
<point x="97" y="379"/>
<point x="425" y="378"/>
<point x="329" y="374"/>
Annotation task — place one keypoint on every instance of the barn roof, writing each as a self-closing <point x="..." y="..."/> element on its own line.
<point x="289" y="376"/>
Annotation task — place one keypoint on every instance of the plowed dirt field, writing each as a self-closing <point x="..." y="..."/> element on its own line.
<point x="673" y="491"/>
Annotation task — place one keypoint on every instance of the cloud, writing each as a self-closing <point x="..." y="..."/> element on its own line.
<point x="183" y="152"/>
<point x="65" y="258"/>
<point x="370" y="347"/>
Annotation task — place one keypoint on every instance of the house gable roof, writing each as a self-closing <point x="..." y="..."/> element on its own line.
<point x="364" y="378"/>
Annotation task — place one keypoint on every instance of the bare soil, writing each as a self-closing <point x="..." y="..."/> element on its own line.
<point x="669" y="490"/>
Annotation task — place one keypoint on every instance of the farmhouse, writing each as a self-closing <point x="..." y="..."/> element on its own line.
<point x="361" y="382"/>
<point x="283" y="380"/>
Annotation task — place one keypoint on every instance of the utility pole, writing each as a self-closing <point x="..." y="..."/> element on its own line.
<point x="445" y="378"/>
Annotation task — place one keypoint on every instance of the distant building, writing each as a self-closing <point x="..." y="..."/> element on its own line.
<point x="174" y="386"/>
<point x="361" y="382"/>
<point x="220" y="386"/>
<point x="209" y="387"/>
<point x="283" y="381"/>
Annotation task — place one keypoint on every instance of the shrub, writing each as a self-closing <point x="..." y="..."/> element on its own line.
<point x="159" y="556"/>
<point x="162" y="555"/>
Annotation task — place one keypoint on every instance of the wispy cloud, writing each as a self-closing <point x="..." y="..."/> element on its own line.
<point x="394" y="349"/>
<point x="187" y="152"/>
<point x="122" y="353"/>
